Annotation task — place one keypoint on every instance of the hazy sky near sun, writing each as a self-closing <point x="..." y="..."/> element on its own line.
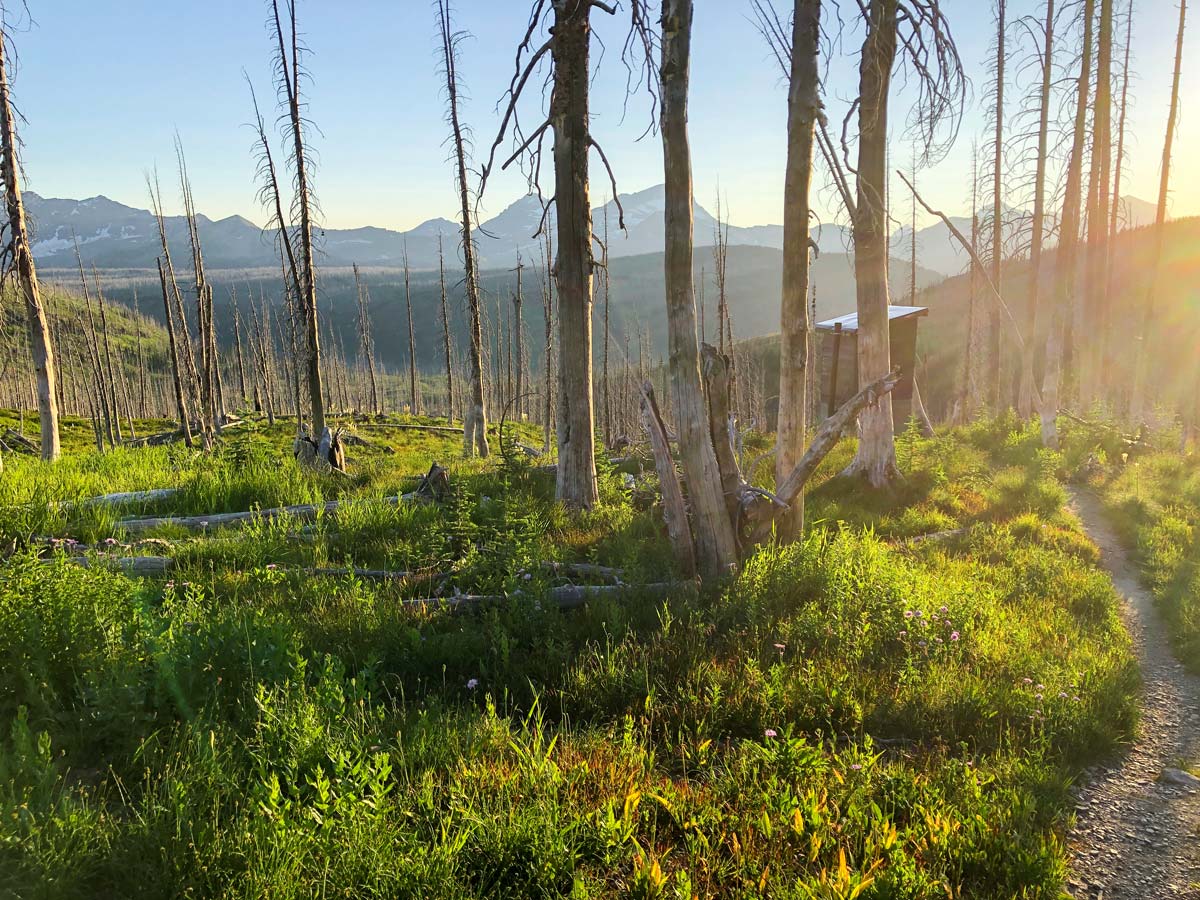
<point x="104" y="84"/>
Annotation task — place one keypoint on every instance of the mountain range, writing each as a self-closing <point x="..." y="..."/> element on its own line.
<point x="112" y="235"/>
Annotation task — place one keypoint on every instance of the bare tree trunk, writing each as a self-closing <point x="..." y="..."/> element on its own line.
<point x="576" y="473"/>
<point x="289" y="69"/>
<point x="716" y="544"/>
<point x="237" y="341"/>
<point x="40" y="346"/>
<point x="1137" y="403"/>
<point x="108" y="365"/>
<point x="518" y="326"/>
<point x="414" y="395"/>
<point x="176" y="375"/>
<point x="475" y="414"/>
<point x="141" y="360"/>
<point x="1034" y="327"/>
<point x="1068" y="245"/>
<point x="875" y="459"/>
<point x="997" y="255"/>
<point x="606" y="373"/>
<point x="804" y="106"/>
<point x="446" y="334"/>
<point x="548" y="349"/>
<point x="1097" y="310"/>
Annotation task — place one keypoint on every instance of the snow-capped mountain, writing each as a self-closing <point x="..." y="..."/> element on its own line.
<point x="114" y="236"/>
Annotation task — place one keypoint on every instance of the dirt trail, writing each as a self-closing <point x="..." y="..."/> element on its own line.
<point x="1136" y="837"/>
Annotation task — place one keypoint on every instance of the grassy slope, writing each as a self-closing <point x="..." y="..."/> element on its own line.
<point x="1155" y="503"/>
<point x="246" y="731"/>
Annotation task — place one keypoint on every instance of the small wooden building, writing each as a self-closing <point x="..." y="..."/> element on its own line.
<point x="837" y="372"/>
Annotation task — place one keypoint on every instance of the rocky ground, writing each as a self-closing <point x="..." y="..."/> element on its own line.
<point x="1137" y="835"/>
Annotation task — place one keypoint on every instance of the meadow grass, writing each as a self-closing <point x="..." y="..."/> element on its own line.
<point x="1154" y="501"/>
<point x="853" y="715"/>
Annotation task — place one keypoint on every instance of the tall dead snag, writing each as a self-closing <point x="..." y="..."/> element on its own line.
<point x="365" y="338"/>
<point x="876" y="457"/>
<point x="446" y="334"/>
<point x="475" y="410"/>
<point x="288" y="72"/>
<point x="176" y="369"/>
<point x="679" y="530"/>
<point x="17" y="258"/>
<point x="1032" y="318"/>
<point x="568" y="49"/>
<point x="997" y="251"/>
<point x="548" y="346"/>
<point x="576" y="473"/>
<point x="518" y="327"/>
<point x="414" y="392"/>
<point x="804" y="107"/>
<point x="1068" y="243"/>
<point x="1095" y="371"/>
<point x="210" y="419"/>
<point x="1137" y="402"/>
<point x="712" y="530"/>
<point x="929" y="53"/>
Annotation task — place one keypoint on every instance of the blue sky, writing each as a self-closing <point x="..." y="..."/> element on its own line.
<point x="104" y="85"/>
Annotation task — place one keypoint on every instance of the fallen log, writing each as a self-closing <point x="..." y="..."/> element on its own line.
<point x="19" y="443"/>
<point x="568" y="596"/>
<point x="679" y="529"/>
<point x="432" y="487"/>
<point x="125" y="497"/>
<point x="583" y="570"/>
<point x="137" y="566"/>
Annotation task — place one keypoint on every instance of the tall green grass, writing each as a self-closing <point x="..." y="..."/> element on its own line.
<point x="852" y="715"/>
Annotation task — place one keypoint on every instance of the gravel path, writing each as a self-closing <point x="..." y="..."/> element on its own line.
<point x="1136" y="836"/>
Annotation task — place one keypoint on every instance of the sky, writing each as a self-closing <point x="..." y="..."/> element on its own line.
<point x="105" y="85"/>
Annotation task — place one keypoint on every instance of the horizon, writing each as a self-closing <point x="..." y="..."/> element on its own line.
<point x="389" y="176"/>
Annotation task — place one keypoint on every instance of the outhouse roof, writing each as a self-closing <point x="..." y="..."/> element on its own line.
<point x="849" y="322"/>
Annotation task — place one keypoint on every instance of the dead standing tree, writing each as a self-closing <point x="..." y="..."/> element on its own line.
<point x="474" y="409"/>
<point x="288" y="72"/>
<point x="568" y="49"/>
<point x="920" y="31"/>
<point x="16" y="257"/>
<point x="1137" y="403"/>
<point x="366" y="339"/>
<point x="1068" y="245"/>
<point x="712" y="528"/>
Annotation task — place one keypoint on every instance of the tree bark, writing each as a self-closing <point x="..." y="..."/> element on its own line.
<point x="679" y="531"/>
<point x="995" y="341"/>
<point x="414" y="393"/>
<point x="475" y="413"/>
<point x="1097" y="308"/>
<point x="1137" y="403"/>
<point x="1033" y="319"/>
<point x="40" y="345"/>
<point x="716" y="544"/>
<point x="804" y="107"/>
<point x="875" y="460"/>
<point x="576" y="478"/>
<point x="1068" y="245"/>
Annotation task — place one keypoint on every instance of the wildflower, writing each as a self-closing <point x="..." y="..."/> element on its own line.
<point x="856" y="767"/>
<point x="938" y="640"/>
<point x="1041" y="687"/>
<point x="1026" y="681"/>
<point x="922" y="645"/>
<point x="108" y="542"/>
<point x="1076" y="698"/>
<point x="918" y="614"/>
<point x="271" y="567"/>
<point x="781" y="647"/>
<point x="527" y="576"/>
<point x="954" y="636"/>
<point x="170" y="585"/>
<point x="472" y="683"/>
<point x="1039" y="697"/>
<point x="771" y="732"/>
<point x="908" y="614"/>
<point x="1062" y="695"/>
<point x="904" y="634"/>
<point x="946" y="622"/>
<point x="943" y="609"/>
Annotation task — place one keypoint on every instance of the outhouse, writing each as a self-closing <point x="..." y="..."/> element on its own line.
<point x="837" y="375"/>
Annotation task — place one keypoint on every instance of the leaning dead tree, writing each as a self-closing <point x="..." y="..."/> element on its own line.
<point x="567" y="49"/>
<point x="474" y="408"/>
<point x="1137" y="402"/>
<point x="366" y="338"/>
<point x="16" y="258"/>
